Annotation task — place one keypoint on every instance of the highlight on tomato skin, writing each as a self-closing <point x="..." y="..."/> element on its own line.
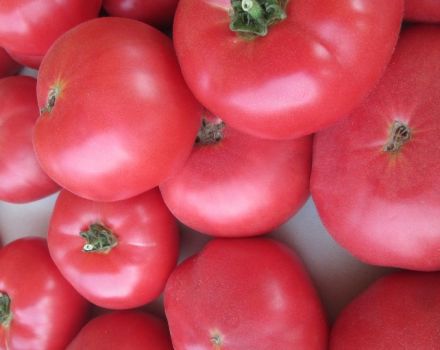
<point x="237" y="185"/>
<point x="398" y="311"/>
<point x="375" y="175"/>
<point x="21" y="178"/>
<point x="123" y="330"/>
<point x="39" y="309"/>
<point x="244" y="293"/>
<point x="117" y="255"/>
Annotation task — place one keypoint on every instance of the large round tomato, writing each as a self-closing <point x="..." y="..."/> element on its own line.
<point x="422" y="10"/>
<point x="117" y="117"/>
<point x="7" y="65"/>
<point x="21" y="178"/>
<point x="157" y="13"/>
<point x="117" y="255"/>
<point x="237" y="185"/>
<point x="399" y="311"/>
<point x="29" y="27"/>
<point x="244" y="294"/>
<point x="313" y="66"/>
<point x="123" y="330"/>
<point x="375" y="176"/>
<point x="38" y="308"/>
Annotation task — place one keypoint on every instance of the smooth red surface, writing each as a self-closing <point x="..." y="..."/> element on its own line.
<point x="124" y="330"/>
<point x="125" y="120"/>
<point x="157" y="13"/>
<point x="240" y="186"/>
<point x="422" y="10"/>
<point x="7" y="65"/>
<point x="384" y="208"/>
<point x="310" y="70"/>
<point x="135" y="271"/>
<point x="21" y="178"/>
<point x="46" y="311"/>
<point x="29" y="27"/>
<point x="249" y="293"/>
<point x="399" y="311"/>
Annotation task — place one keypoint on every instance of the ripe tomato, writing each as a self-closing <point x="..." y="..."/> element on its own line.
<point x="38" y="308"/>
<point x="244" y="294"/>
<point x="29" y="27"/>
<point x="117" y="255"/>
<point x="124" y="118"/>
<point x="237" y="185"/>
<point x="21" y="178"/>
<point x="311" y="69"/>
<point x="375" y="176"/>
<point x="157" y="13"/>
<point x="422" y="10"/>
<point x="7" y="65"/>
<point x="123" y="330"/>
<point x="399" y="311"/>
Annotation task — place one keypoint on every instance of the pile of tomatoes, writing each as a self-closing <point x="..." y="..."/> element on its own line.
<point x="223" y="116"/>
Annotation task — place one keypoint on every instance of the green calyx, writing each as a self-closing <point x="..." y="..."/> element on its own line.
<point x="5" y="310"/>
<point x="99" y="239"/>
<point x="253" y="17"/>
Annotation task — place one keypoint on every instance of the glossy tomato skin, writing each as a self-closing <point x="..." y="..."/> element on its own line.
<point x="241" y="185"/>
<point x="46" y="311"/>
<point x="21" y="177"/>
<point x="7" y="65"/>
<point x="243" y="294"/>
<point x="399" y="311"/>
<point x="123" y="330"/>
<point x="382" y="206"/>
<point x="133" y="272"/>
<point x="310" y="70"/>
<point x="157" y="13"/>
<point x="29" y="27"/>
<point x="124" y="118"/>
<point x="422" y="10"/>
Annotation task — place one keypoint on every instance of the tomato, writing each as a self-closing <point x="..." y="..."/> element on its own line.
<point x="38" y="308"/>
<point x="157" y="13"/>
<point x="237" y="185"/>
<point x="7" y="65"/>
<point x="21" y="178"/>
<point x="29" y="27"/>
<point x="422" y="10"/>
<point x="375" y="176"/>
<point x="124" y="330"/>
<point x="399" y="311"/>
<point x="243" y="294"/>
<point x="124" y="118"/>
<point x="310" y="69"/>
<point x="117" y="255"/>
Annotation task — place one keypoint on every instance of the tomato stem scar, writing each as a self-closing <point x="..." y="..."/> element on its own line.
<point x="54" y="92"/>
<point x="5" y="310"/>
<point x="99" y="239"/>
<point x="252" y="18"/>
<point x="400" y="134"/>
<point x="210" y="132"/>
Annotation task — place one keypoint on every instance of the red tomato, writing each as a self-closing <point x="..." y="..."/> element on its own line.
<point x="422" y="10"/>
<point x="127" y="330"/>
<point x="244" y="294"/>
<point x="124" y="118"/>
<point x="117" y="255"/>
<point x="21" y="178"/>
<point x="7" y="65"/>
<point x="38" y="308"/>
<point x="399" y="311"/>
<point x="237" y="185"/>
<point x="29" y="27"/>
<point x="310" y="69"/>
<point x="375" y="176"/>
<point x="157" y="13"/>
